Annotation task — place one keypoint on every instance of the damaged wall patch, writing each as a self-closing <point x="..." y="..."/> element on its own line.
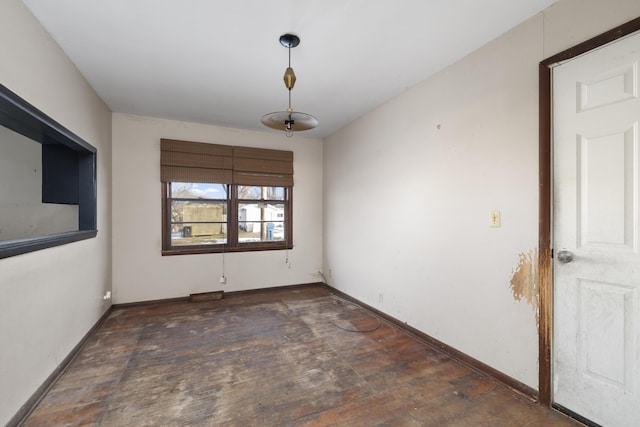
<point x="524" y="280"/>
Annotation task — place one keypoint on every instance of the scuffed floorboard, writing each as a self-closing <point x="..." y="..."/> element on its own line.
<point x="274" y="358"/>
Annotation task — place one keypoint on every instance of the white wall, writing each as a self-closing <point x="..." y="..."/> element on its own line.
<point x="409" y="187"/>
<point x="141" y="273"/>
<point x="49" y="299"/>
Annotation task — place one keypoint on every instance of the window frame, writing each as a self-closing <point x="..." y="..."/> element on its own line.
<point x="69" y="172"/>
<point x="232" y="245"/>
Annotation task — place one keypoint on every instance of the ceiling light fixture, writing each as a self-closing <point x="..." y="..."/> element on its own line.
<point x="289" y="121"/>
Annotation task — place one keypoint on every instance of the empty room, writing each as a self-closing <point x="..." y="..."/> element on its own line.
<point x="319" y="212"/>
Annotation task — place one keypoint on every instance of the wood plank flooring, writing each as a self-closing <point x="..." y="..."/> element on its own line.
<point x="274" y="358"/>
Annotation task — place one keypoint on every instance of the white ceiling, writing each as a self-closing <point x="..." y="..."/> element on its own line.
<point x="220" y="62"/>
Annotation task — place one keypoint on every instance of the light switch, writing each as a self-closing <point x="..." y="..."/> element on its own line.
<point x="495" y="219"/>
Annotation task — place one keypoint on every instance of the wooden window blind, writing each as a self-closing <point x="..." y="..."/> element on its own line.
<point x="184" y="161"/>
<point x="262" y="167"/>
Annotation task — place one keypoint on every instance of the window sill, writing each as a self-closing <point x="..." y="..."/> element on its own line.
<point x="219" y="250"/>
<point x="11" y="248"/>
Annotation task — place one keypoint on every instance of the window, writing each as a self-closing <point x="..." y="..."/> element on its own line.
<point x="261" y="213"/>
<point x="198" y="213"/>
<point x="219" y="198"/>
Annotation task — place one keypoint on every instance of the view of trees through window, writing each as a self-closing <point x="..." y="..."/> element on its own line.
<point x="201" y="214"/>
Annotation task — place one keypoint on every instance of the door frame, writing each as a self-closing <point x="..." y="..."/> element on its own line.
<point x="545" y="213"/>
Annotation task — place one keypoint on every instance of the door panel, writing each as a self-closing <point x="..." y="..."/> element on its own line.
<point x="605" y="328"/>
<point x="617" y="85"/>
<point x="606" y="204"/>
<point x="596" y="353"/>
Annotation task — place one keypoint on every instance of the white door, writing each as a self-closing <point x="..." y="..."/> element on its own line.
<point x="596" y="323"/>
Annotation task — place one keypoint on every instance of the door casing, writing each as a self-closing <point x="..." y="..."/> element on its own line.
<point x="545" y="278"/>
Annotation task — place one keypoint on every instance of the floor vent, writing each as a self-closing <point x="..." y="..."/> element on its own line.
<point x="206" y="296"/>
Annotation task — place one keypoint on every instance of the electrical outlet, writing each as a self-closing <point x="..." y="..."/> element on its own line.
<point x="380" y="297"/>
<point x="106" y="298"/>
<point x="223" y="280"/>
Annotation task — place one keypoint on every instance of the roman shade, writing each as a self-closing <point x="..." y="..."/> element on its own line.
<point x="185" y="161"/>
<point x="259" y="166"/>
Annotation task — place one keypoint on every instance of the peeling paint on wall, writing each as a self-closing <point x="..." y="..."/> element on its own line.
<point x="524" y="280"/>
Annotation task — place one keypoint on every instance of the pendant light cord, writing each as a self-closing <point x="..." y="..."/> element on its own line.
<point x="289" y="49"/>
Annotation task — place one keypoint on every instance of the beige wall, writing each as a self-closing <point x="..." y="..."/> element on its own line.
<point x="141" y="273"/>
<point x="50" y="299"/>
<point x="409" y="188"/>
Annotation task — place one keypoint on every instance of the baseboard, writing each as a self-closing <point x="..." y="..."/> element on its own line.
<point x="35" y="398"/>
<point x="461" y="357"/>
<point x="150" y="303"/>
<point x="225" y="295"/>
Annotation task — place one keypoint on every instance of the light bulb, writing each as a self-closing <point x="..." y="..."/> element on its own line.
<point x="288" y="125"/>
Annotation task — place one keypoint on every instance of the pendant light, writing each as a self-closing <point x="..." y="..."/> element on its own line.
<point x="289" y="121"/>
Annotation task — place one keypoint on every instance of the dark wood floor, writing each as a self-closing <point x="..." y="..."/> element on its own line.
<point x="274" y="358"/>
